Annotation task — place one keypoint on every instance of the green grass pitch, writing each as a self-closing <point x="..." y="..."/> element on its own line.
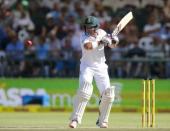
<point x="59" y="121"/>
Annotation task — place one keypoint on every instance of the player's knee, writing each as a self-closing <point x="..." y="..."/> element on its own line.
<point x="109" y="94"/>
<point x="85" y="90"/>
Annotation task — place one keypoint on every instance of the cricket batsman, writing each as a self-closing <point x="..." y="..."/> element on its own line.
<point x="92" y="66"/>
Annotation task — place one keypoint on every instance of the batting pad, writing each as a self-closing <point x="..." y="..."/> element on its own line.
<point x="106" y="104"/>
<point x="83" y="95"/>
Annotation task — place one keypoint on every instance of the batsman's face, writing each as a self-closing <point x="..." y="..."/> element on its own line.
<point x="90" y="31"/>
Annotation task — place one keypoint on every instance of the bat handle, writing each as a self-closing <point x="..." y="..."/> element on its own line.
<point x="115" y="33"/>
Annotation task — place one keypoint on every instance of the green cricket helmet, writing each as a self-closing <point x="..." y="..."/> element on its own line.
<point x="91" y="22"/>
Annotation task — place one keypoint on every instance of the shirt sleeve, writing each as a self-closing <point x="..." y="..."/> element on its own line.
<point x="100" y="34"/>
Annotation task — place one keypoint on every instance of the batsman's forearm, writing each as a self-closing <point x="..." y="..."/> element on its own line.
<point x="91" y="45"/>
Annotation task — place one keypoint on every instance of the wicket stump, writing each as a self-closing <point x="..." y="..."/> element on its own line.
<point x="148" y="105"/>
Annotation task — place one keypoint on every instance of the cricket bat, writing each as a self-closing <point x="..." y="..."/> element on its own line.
<point x="123" y="22"/>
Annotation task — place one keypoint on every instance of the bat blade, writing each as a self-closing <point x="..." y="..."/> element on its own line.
<point x="123" y="22"/>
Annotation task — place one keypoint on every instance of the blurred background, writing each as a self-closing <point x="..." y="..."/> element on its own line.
<point x="40" y="52"/>
<point x="54" y="29"/>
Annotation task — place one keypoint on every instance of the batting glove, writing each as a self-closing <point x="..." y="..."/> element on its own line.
<point x="106" y="40"/>
<point x="115" y="39"/>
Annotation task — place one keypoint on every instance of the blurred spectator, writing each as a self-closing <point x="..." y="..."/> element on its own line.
<point x="75" y="41"/>
<point x="3" y="63"/>
<point x="55" y="13"/>
<point x="6" y="16"/>
<point x="54" y="45"/>
<point x="167" y="48"/>
<point x="131" y="33"/>
<point x="118" y="67"/>
<point x="15" y="54"/>
<point x="42" y="49"/>
<point x="156" y="52"/>
<point x="165" y="32"/>
<point x="38" y="15"/>
<point x="167" y="51"/>
<point x="68" y="54"/>
<point x="152" y="27"/>
<point x="135" y="66"/>
<point x="3" y="38"/>
<point x="21" y="18"/>
<point x="71" y="24"/>
<point x="15" y="49"/>
<point x="42" y="54"/>
<point x="88" y="7"/>
<point x="145" y="43"/>
<point x="49" y="27"/>
<point x="166" y="9"/>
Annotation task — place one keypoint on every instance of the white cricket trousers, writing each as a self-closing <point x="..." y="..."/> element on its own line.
<point x="87" y="73"/>
<point x="99" y="73"/>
